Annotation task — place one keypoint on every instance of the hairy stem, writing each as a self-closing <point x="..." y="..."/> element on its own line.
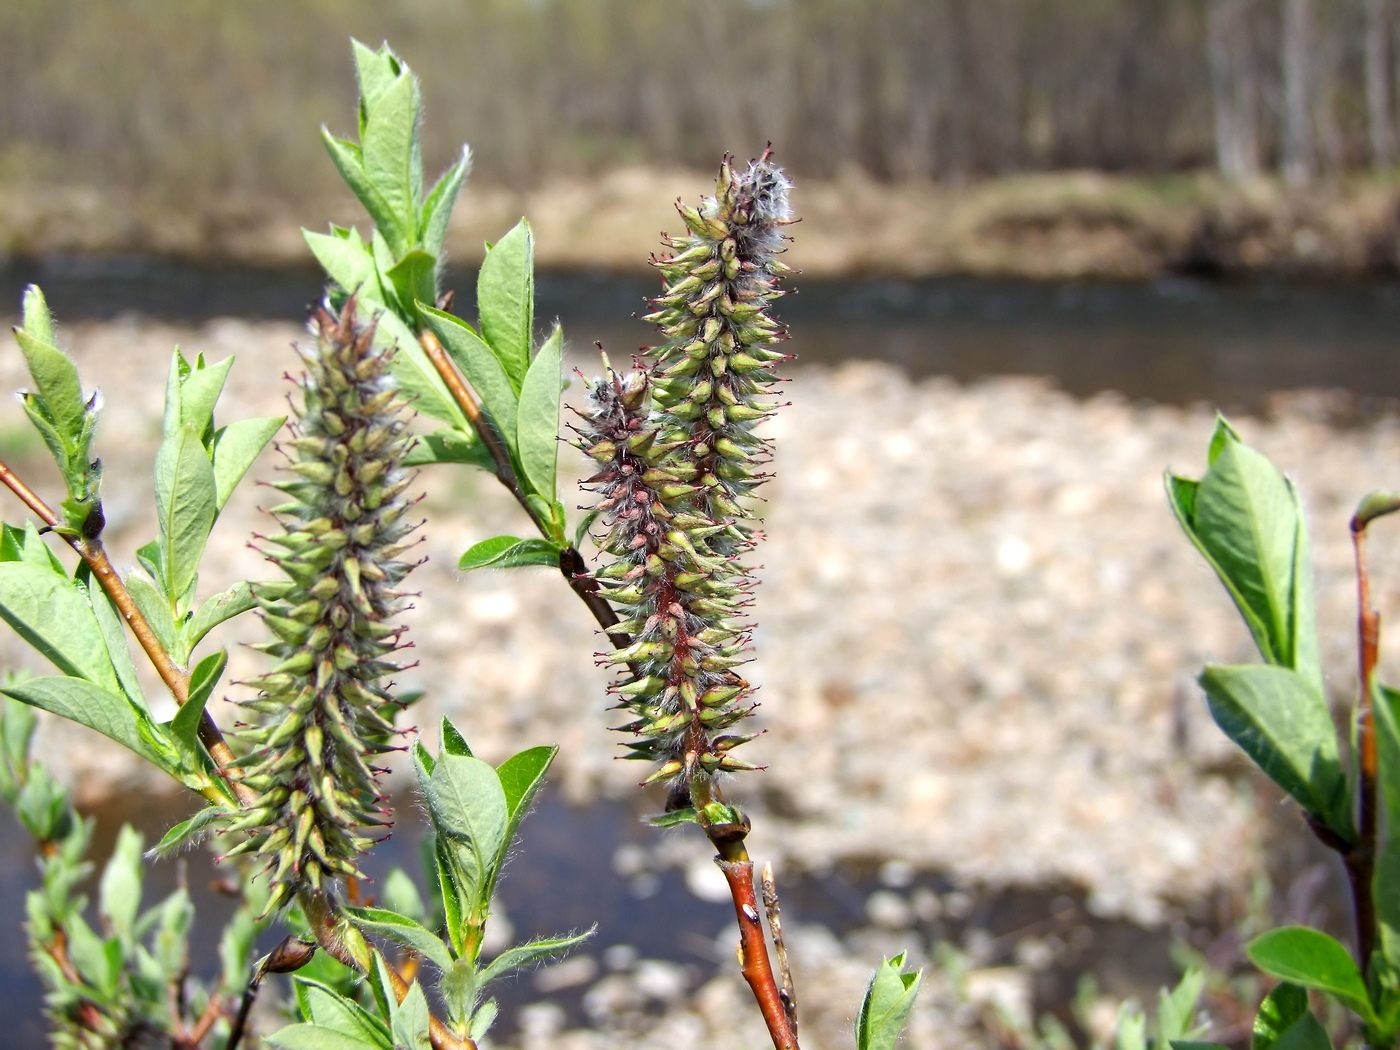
<point x="1361" y="858"/>
<point x="175" y="678"/>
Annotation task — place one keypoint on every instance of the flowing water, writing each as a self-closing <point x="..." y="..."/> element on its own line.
<point x="1172" y="341"/>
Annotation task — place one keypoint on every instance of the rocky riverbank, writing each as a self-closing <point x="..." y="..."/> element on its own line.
<point x="1051" y="226"/>
<point x="978" y="632"/>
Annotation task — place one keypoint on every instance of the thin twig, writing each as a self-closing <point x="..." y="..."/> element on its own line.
<point x="753" y="952"/>
<point x="176" y="679"/>
<point x="774" y="912"/>
<point x="571" y="563"/>
<point x="1361" y="858"/>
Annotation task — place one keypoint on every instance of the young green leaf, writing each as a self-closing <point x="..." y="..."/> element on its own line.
<point x="1310" y="958"/>
<point x="199" y="393"/>
<point x="318" y="1037"/>
<point x="155" y="608"/>
<point x="87" y="704"/>
<point x="1279" y="720"/>
<point x="235" y="448"/>
<point x="1176" y="1009"/>
<point x="186" y="833"/>
<point x="47" y="611"/>
<point x="392" y="161"/>
<point x="404" y="930"/>
<point x="453" y="742"/>
<point x="119" y="893"/>
<point x="186" y="505"/>
<point x="446" y="445"/>
<point x="55" y="376"/>
<point x="437" y="209"/>
<point x="468" y="808"/>
<point x="349" y="161"/>
<point x="1281" y="1009"/>
<point x="401" y="895"/>
<point x="523" y="955"/>
<point x="505" y="298"/>
<point x="232" y="602"/>
<point x="888" y="1000"/>
<point x="537" y="422"/>
<point x="482" y="1018"/>
<point x="1386" y="886"/>
<point x="448" y="891"/>
<point x="348" y="262"/>
<point x="184" y="727"/>
<point x="478" y="363"/>
<point x="522" y="776"/>
<point x="413" y="278"/>
<point x="509" y="552"/>
<point x="410" y="1020"/>
<point x="323" y="1006"/>
<point x="114" y="637"/>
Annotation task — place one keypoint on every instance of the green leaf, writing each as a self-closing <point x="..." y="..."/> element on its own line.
<point x="349" y="162"/>
<point x="347" y="260"/>
<point x="1283" y="724"/>
<point x="184" y="727"/>
<point x="437" y="209"/>
<point x="478" y="363"/>
<point x="468" y="807"/>
<point x="675" y="818"/>
<point x="482" y="1019"/>
<point x="445" y="445"/>
<point x="329" y="1009"/>
<point x="522" y="776"/>
<point x="523" y="955"/>
<point x="410" y="1019"/>
<point x="80" y="701"/>
<point x="317" y="1037"/>
<point x="888" y="1000"/>
<point x="401" y="895"/>
<point x="186" y="505"/>
<point x="56" y="381"/>
<point x="404" y="930"/>
<point x="37" y="318"/>
<point x="232" y="602"/>
<point x="114" y="637"/>
<point x="27" y="545"/>
<point x="537" y="421"/>
<point x="1281" y="1009"/>
<point x="453" y="742"/>
<point x="375" y="71"/>
<point x="155" y="607"/>
<point x="49" y="612"/>
<point x="1314" y="960"/>
<point x="392" y="163"/>
<point x="1177" y="1009"/>
<point x="1245" y="518"/>
<point x="187" y="833"/>
<point x="510" y="552"/>
<point x="505" y="298"/>
<point x="119" y="893"/>
<point x="90" y="956"/>
<point x="235" y="448"/>
<point x="585" y="523"/>
<point x="1386" y="884"/>
<point x="199" y="393"/>
<point x="448" y="891"/>
<point x="414" y="278"/>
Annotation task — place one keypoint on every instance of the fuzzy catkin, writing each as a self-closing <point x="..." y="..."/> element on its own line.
<point x="323" y="704"/>
<point x="677" y="453"/>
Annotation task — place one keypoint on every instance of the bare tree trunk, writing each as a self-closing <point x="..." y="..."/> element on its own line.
<point x="1234" y="88"/>
<point x="1298" y="167"/>
<point x="1378" y="109"/>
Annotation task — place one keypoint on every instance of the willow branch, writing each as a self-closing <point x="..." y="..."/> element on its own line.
<point x="1361" y="859"/>
<point x="571" y="564"/>
<point x="753" y="952"/>
<point x="175" y="678"/>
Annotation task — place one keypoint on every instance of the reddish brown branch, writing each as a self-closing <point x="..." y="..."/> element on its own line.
<point x="1361" y="858"/>
<point x="753" y="950"/>
<point x="174" y="677"/>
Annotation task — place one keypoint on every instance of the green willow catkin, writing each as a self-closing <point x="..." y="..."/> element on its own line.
<point x="323" y="705"/>
<point x="675" y="443"/>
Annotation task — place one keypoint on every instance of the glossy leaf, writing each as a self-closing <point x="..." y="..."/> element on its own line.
<point x="1310" y="958"/>
<point x="505" y="299"/>
<point x="1281" y="1009"/>
<point x="537" y="421"/>
<point x="888" y="1000"/>
<point x="450" y="446"/>
<point x="453" y="742"/>
<point x="510" y="552"/>
<point x="1283" y="724"/>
